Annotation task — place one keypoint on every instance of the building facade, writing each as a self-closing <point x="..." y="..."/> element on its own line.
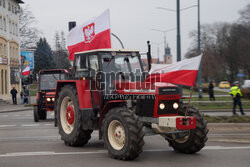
<point x="167" y="56"/>
<point x="9" y="47"/>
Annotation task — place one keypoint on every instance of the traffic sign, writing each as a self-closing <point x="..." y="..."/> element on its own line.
<point x="240" y="75"/>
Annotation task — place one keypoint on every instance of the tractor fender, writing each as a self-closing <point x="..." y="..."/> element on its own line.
<point x="83" y="91"/>
<point x="106" y="108"/>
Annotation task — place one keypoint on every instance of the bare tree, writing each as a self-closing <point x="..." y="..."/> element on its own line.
<point x="29" y="35"/>
<point x="60" y="52"/>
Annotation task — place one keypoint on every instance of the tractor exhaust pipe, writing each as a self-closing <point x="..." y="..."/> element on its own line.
<point x="72" y="24"/>
<point x="149" y="55"/>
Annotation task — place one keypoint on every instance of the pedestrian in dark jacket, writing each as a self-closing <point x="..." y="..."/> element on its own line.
<point x="13" y="92"/>
<point x="211" y="91"/>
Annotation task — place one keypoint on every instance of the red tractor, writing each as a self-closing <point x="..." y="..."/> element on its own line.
<point x="107" y="92"/>
<point x="45" y="96"/>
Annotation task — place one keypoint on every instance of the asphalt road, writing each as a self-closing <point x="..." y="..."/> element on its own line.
<point x="24" y="143"/>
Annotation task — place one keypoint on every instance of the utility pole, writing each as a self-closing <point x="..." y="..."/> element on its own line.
<point x="178" y="31"/>
<point x="199" y="52"/>
<point x="178" y="37"/>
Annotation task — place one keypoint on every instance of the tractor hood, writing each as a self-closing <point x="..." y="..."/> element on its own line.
<point x="145" y="88"/>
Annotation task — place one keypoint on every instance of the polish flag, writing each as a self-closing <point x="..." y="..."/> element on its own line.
<point x="93" y="34"/>
<point x="182" y="73"/>
<point x="26" y="71"/>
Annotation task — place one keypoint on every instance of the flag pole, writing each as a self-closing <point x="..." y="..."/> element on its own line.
<point x="191" y="93"/>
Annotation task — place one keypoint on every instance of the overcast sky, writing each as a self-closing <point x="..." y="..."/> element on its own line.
<point x="132" y="20"/>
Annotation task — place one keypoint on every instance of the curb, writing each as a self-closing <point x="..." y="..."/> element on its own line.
<point x="24" y="109"/>
<point x="224" y="110"/>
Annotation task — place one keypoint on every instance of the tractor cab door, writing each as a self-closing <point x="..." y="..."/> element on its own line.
<point x="85" y="67"/>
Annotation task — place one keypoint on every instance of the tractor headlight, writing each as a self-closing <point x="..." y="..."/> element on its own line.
<point x="53" y="99"/>
<point x="175" y="105"/>
<point x="48" y="99"/>
<point x="162" y="106"/>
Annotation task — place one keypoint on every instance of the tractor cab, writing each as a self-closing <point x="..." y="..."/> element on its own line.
<point x="45" y="96"/>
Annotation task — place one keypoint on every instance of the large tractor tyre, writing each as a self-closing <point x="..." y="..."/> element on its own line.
<point x="55" y="114"/>
<point x="42" y="114"/>
<point x="193" y="140"/>
<point x="69" y="118"/>
<point x="35" y="113"/>
<point x="123" y="134"/>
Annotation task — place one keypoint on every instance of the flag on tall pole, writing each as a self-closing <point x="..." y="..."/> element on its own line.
<point x="93" y="34"/>
<point x="181" y="73"/>
<point x="26" y="71"/>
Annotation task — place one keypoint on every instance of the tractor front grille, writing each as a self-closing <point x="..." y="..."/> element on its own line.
<point x="169" y="109"/>
<point x="145" y="107"/>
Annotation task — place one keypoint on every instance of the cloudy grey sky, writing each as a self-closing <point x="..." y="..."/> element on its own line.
<point x="132" y="20"/>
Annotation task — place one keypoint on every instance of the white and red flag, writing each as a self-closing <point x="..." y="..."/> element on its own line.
<point x="182" y="73"/>
<point x="26" y="71"/>
<point x="93" y="34"/>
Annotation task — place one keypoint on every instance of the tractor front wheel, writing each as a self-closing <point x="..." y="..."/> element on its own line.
<point x="35" y="113"/>
<point x="42" y="114"/>
<point x="69" y="118"/>
<point x="123" y="134"/>
<point x="193" y="140"/>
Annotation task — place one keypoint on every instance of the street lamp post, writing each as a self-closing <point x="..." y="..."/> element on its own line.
<point x="178" y="37"/>
<point x="165" y="40"/>
<point x="199" y="52"/>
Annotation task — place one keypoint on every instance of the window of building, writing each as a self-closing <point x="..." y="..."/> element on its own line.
<point x="6" y="88"/>
<point x="1" y="22"/>
<point x="1" y="49"/>
<point x="13" y="29"/>
<point x="12" y="7"/>
<point x="2" y="82"/>
<point x="4" y="3"/>
<point x="0" y="2"/>
<point x="4" y="51"/>
<point x="9" y="7"/>
<point x="16" y="30"/>
<point x="4" y="24"/>
<point x="15" y="11"/>
<point x="10" y="51"/>
<point x="10" y="29"/>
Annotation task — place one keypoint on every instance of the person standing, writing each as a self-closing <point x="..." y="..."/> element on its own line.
<point x="211" y="91"/>
<point x="235" y="92"/>
<point x="13" y="92"/>
<point x="22" y="97"/>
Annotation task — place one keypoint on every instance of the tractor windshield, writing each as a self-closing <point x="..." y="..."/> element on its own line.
<point x="48" y="81"/>
<point x="121" y="62"/>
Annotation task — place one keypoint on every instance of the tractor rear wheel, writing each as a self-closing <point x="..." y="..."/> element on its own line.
<point x="123" y="134"/>
<point x="35" y="113"/>
<point x="69" y="118"/>
<point x="193" y="140"/>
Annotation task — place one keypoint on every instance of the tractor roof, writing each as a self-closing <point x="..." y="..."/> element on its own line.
<point x="107" y="50"/>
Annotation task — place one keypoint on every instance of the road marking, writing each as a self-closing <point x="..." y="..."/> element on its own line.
<point x="3" y="126"/>
<point x="224" y="148"/>
<point x="48" y="124"/>
<point x="46" y="153"/>
<point x="230" y="134"/>
<point x="51" y="153"/>
<point x="30" y="125"/>
<point x="29" y="138"/>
